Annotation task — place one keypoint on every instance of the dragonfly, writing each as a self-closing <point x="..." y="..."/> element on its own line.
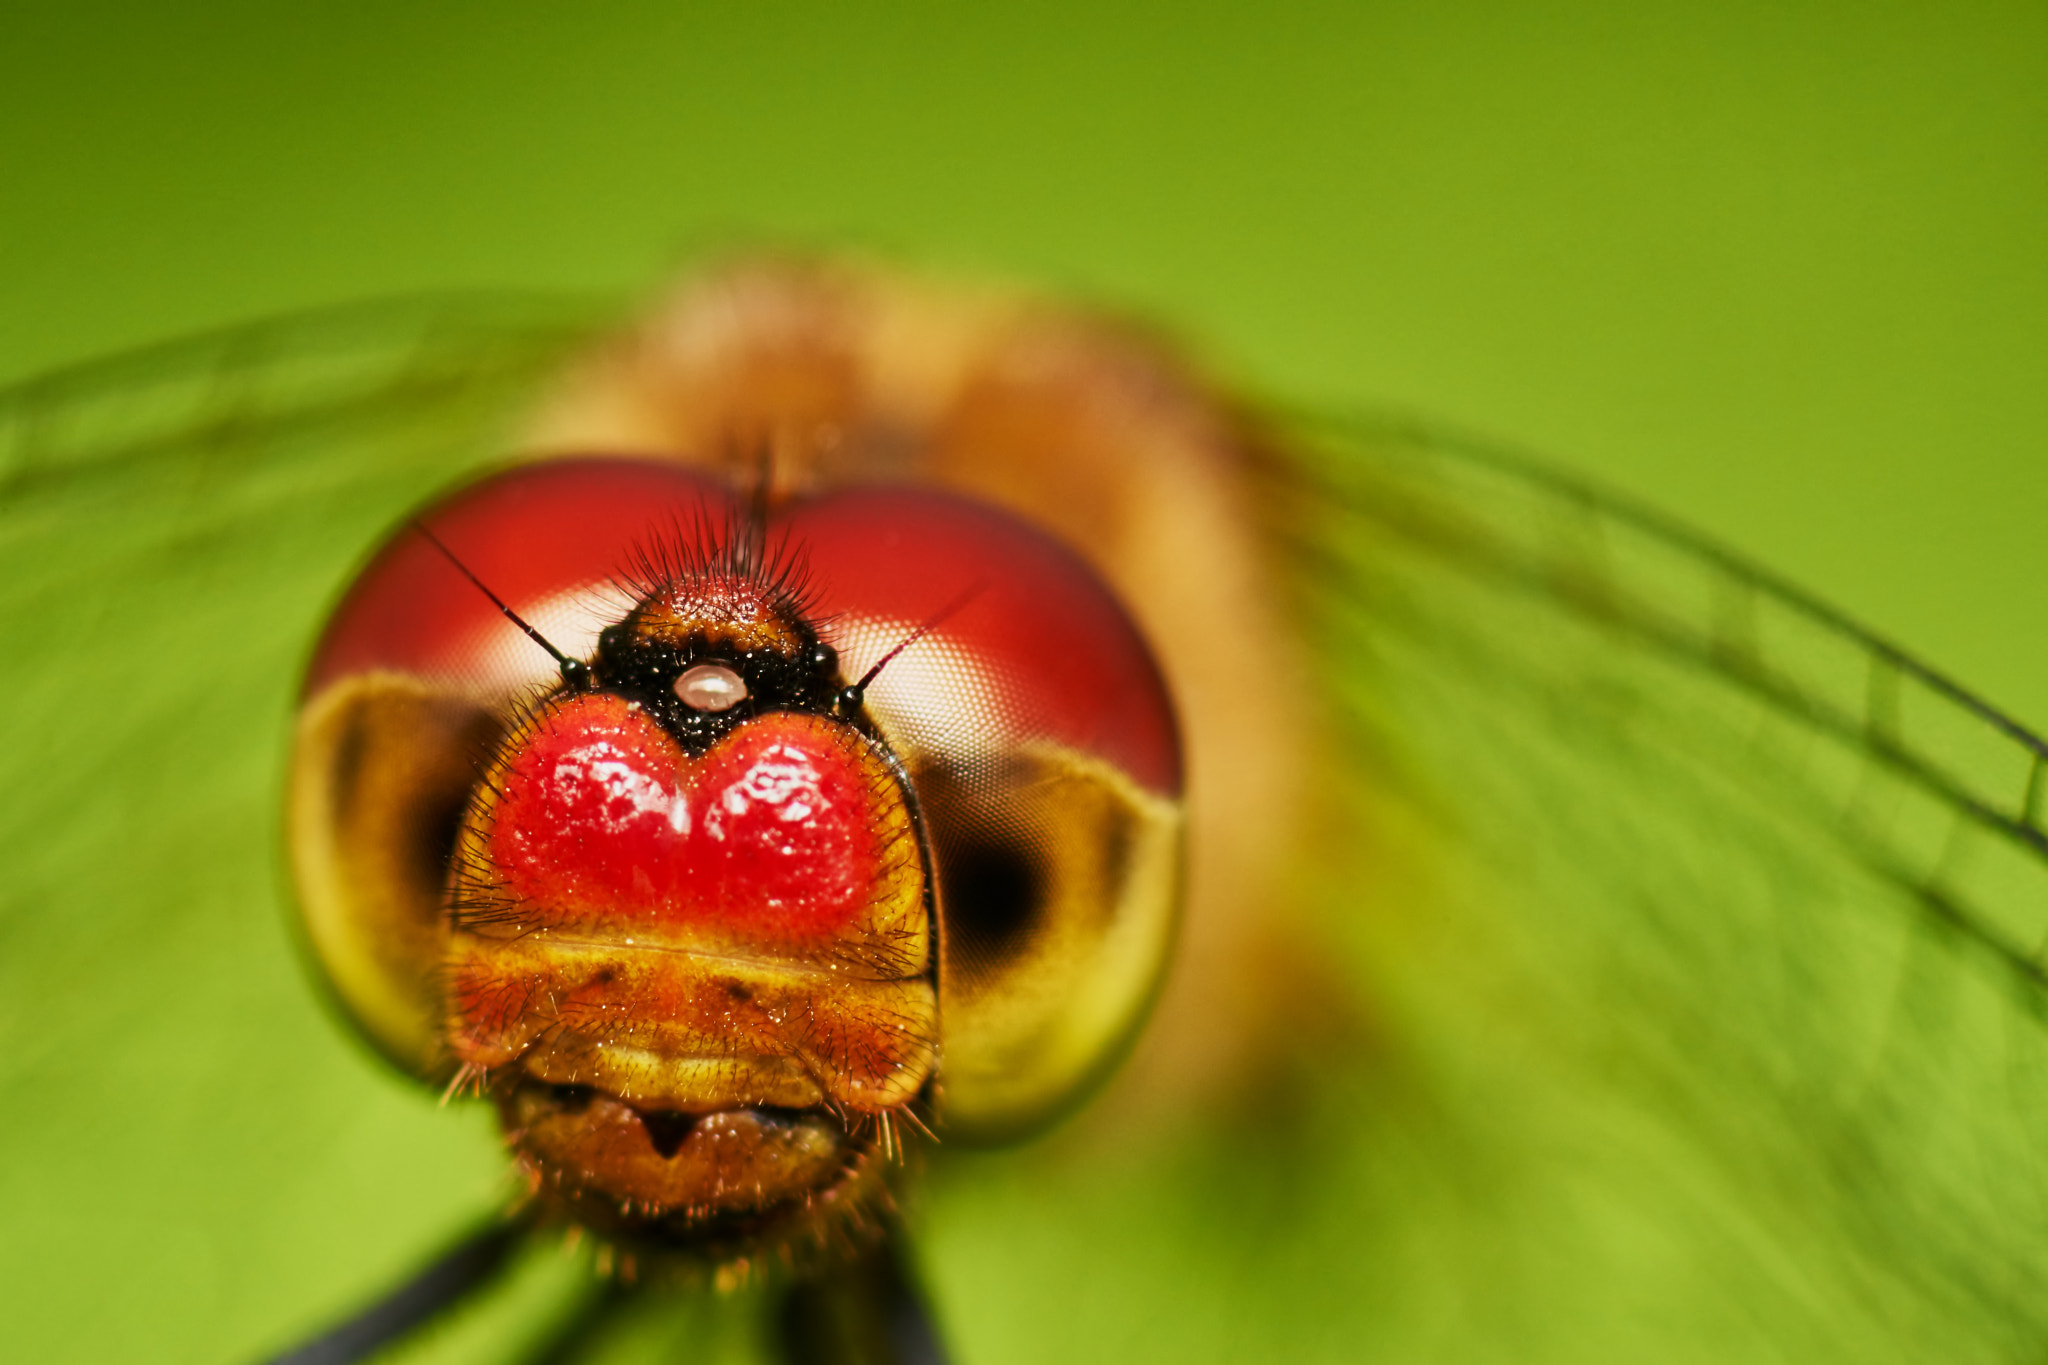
<point x="1597" y="948"/>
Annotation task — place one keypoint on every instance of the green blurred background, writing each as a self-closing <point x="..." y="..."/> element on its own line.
<point x="1785" y="272"/>
<point x="1783" y="268"/>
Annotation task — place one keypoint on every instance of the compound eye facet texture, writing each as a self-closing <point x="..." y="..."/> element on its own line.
<point x="557" y="541"/>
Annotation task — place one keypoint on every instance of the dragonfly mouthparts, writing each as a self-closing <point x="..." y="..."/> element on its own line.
<point x="664" y="1176"/>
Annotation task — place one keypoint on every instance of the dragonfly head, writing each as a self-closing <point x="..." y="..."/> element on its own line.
<point x="691" y="939"/>
<point x="808" y="848"/>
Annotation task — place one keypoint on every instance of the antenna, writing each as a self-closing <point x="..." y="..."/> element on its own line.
<point x="575" y="672"/>
<point x="849" y="699"/>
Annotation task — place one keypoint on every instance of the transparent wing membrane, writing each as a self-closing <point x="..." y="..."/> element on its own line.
<point x="262" y="380"/>
<point x="1685" y="941"/>
<point x="196" y="1166"/>
<point x="1715" y="938"/>
<point x="1927" y="779"/>
<point x="1672" y="988"/>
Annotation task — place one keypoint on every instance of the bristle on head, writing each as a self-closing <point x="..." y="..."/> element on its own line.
<point x="727" y="566"/>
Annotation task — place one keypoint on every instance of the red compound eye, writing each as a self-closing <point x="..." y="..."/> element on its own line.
<point x="1040" y="650"/>
<point x="551" y="539"/>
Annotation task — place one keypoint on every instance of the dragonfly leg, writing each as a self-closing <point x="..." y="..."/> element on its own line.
<point x="868" y="1311"/>
<point x="465" y="1268"/>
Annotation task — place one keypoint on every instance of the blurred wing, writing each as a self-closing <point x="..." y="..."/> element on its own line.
<point x="1689" y="934"/>
<point x="195" y="1163"/>
<point x="1695" y="940"/>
